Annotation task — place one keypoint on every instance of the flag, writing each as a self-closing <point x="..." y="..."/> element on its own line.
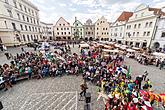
<point x="128" y="72"/>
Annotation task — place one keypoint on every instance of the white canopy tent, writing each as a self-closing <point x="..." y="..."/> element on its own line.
<point x="158" y="54"/>
<point x="113" y="51"/>
<point x="84" y="45"/>
<point x="130" y="50"/>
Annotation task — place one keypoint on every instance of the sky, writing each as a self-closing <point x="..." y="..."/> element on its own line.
<point x="52" y="10"/>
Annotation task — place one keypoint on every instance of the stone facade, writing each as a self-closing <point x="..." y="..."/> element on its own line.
<point x="102" y="29"/>
<point x="62" y="30"/>
<point x="141" y="26"/>
<point x="19" y="22"/>
<point x="77" y="29"/>
<point x="47" y="30"/>
<point x="89" y="30"/>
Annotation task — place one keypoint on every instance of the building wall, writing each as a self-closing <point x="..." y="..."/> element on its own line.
<point x="159" y="34"/>
<point x="117" y="31"/>
<point x="102" y="29"/>
<point x="78" y="30"/>
<point x="140" y="27"/>
<point x="47" y="30"/>
<point x="24" y="15"/>
<point x="89" y="29"/>
<point x="62" y="30"/>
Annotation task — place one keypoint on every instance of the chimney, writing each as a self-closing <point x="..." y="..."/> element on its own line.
<point x="75" y="18"/>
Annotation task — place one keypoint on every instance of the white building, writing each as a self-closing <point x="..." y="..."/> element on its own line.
<point x="117" y="29"/>
<point x="140" y="27"/>
<point x="19" y="22"/>
<point x="62" y="30"/>
<point x="158" y="41"/>
<point x="47" y="30"/>
<point x="102" y="29"/>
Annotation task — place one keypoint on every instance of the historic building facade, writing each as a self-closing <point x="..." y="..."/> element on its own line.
<point x="77" y="29"/>
<point x="89" y="30"/>
<point x="117" y="28"/>
<point x="158" y="41"/>
<point x="47" y="30"/>
<point x="140" y="27"/>
<point x="102" y="29"/>
<point x="19" y="22"/>
<point x="62" y="30"/>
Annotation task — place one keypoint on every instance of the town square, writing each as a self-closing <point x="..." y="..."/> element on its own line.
<point x="82" y="55"/>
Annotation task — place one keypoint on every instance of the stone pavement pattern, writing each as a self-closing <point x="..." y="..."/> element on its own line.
<point x="32" y="94"/>
<point x="48" y="94"/>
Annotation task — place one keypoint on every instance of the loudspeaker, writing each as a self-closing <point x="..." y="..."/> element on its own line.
<point x="1" y="106"/>
<point x="88" y="97"/>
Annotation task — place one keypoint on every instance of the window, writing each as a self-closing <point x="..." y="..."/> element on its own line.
<point x="63" y="24"/>
<point x="18" y="15"/>
<point x="6" y="1"/>
<point x="57" y="33"/>
<point x="20" y="6"/>
<point x="148" y="33"/>
<point x="133" y="33"/>
<point x="101" y="22"/>
<point x="32" y="12"/>
<point x="64" y="28"/>
<point x="25" y="9"/>
<point x="69" y="33"/>
<point x="102" y="33"/>
<point x="28" y="38"/>
<point x="61" y="28"/>
<point x="34" y="21"/>
<point x="24" y="38"/>
<point x="97" y="28"/>
<point x="25" y="27"/>
<point x="61" y="33"/>
<point x="97" y="33"/>
<point x="14" y="27"/>
<point x="23" y="17"/>
<point x="163" y="34"/>
<point x="15" y="4"/>
<point x="36" y="29"/>
<point x="80" y="29"/>
<point x="21" y="26"/>
<point x="150" y="25"/>
<point x="136" y="16"/>
<point x="31" y="20"/>
<point x="27" y="19"/>
<point x="137" y="33"/>
<point x="135" y="26"/>
<point x="31" y="37"/>
<point x="67" y="28"/>
<point x="144" y="34"/>
<point x="33" y="29"/>
<point x="139" y="25"/>
<point x="76" y="24"/>
<point x="10" y="13"/>
<point x="142" y="14"/>
<point x="120" y="34"/>
<point x="57" y="28"/>
<point x="60" y="24"/>
<point x="97" y="23"/>
<point x="103" y="28"/>
<point x="29" y="10"/>
<point x="146" y="24"/>
<point x="29" y="28"/>
<point x="107" y="33"/>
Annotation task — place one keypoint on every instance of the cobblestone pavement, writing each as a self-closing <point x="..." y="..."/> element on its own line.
<point x="156" y="76"/>
<point x="61" y="93"/>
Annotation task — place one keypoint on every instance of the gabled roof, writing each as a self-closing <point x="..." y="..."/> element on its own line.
<point x="125" y="16"/>
<point x="62" y="19"/>
<point x="157" y="11"/>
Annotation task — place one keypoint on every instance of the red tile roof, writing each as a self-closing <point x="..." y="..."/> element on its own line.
<point x="125" y="16"/>
<point x="157" y="11"/>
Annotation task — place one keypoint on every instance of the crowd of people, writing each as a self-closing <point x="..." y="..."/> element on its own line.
<point x="111" y="76"/>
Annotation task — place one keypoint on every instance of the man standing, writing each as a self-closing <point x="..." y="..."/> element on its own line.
<point x="83" y="89"/>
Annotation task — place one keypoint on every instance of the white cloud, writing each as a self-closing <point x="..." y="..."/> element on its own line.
<point x="62" y="4"/>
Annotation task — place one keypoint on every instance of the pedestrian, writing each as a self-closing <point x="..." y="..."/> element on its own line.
<point x="83" y="90"/>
